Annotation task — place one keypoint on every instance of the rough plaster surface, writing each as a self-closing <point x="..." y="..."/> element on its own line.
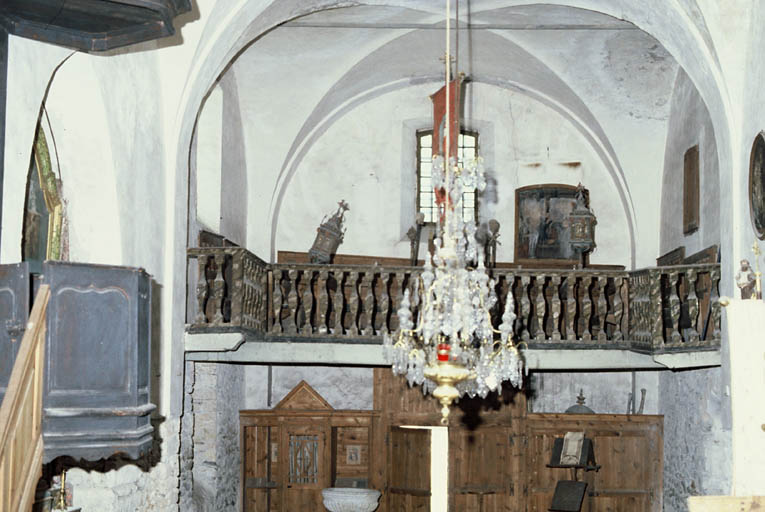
<point x="217" y="399"/>
<point x="605" y="393"/>
<point x="689" y="125"/>
<point x="343" y="387"/>
<point x="697" y="449"/>
<point x="529" y="145"/>
<point x="130" y="488"/>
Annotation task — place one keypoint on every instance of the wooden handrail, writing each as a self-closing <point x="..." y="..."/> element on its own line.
<point x="21" y="440"/>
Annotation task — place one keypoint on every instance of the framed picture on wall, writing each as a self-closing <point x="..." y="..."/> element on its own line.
<point x="757" y="185"/>
<point x="542" y="231"/>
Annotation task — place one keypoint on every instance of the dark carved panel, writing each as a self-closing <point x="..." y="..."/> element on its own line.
<point x="97" y="363"/>
<point x="91" y="25"/>
<point x="14" y="313"/>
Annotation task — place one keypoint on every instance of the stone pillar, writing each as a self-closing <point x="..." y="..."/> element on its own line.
<point x="746" y="325"/>
<point x="218" y="395"/>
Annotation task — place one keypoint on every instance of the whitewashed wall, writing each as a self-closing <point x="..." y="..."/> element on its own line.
<point x="367" y="158"/>
<point x="689" y="125"/>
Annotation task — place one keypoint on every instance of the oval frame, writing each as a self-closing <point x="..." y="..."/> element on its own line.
<point x="757" y="185"/>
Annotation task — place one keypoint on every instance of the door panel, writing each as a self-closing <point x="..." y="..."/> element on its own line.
<point x="483" y="466"/>
<point x="261" y="469"/>
<point x="305" y="466"/>
<point x="409" y="470"/>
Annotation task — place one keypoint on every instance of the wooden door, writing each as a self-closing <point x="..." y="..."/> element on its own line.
<point x="261" y="469"/>
<point x="409" y="470"/>
<point x="305" y="466"/>
<point x="485" y="469"/>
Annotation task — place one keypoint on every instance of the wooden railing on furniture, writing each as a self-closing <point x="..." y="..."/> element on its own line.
<point x="657" y="309"/>
<point x="21" y="441"/>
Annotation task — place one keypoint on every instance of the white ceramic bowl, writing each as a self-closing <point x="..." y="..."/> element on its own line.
<point x="350" y="499"/>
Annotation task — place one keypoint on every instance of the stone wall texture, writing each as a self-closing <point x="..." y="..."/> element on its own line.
<point x="605" y="392"/>
<point x="218" y="395"/>
<point x="147" y="484"/>
<point x="697" y="446"/>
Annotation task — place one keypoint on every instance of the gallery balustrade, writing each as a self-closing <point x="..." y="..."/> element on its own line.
<point x="660" y="309"/>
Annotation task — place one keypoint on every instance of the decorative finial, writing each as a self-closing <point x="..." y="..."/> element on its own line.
<point x="580" y="399"/>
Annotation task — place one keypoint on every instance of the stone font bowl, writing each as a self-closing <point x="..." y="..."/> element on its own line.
<point x="350" y="499"/>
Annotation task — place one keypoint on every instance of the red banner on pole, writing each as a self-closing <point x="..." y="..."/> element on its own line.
<point x="439" y="118"/>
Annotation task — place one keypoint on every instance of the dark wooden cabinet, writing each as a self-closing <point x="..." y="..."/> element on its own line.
<point x="14" y="312"/>
<point x="96" y="381"/>
<point x="97" y="356"/>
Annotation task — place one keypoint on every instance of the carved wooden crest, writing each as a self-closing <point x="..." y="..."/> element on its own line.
<point x="304" y="397"/>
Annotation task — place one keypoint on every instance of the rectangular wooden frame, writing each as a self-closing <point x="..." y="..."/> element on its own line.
<point x="546" y="191"/>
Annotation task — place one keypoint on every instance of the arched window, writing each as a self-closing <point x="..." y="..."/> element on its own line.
<point x="467" y="149"/>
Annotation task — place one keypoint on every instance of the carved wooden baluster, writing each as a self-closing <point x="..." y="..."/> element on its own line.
<point x="290" y="322"/>
<point x="525" y="312"/>
<point x="633" y="301"/>
<point x="367" y="302"/>
<point x="354" y="302"/>
<point x="655" y="312"/>
<point x="396" y="294"/>
<point x="513" y="290"/>
<point x="238" y="290"/>
<point x="246" y="274"/>
<point x="644" y="308"/>
<point x="203" y="291"/>
<point x="414" y="297"/>
<point x="540" y="305"/>
<point x="262" y="277"/>
<point x="277" y="297"/>
<point x="693" y="306"/>
<point x="253" y="308"/>
<point x="715" y="301"/>
<point x="219" y="289"/>
<point x="338" y="303"/>
<point x="322" y="301"/>
<point x="601" y="284"/>
<point x="383" y="306"/>
<point x="673" y="281"/>
<point x="555" y="283"/>
<point x="618" y="308"/>
<point x="586" y="302"/>
<point x="307" y="301"/>
<point x="571" y="302"/>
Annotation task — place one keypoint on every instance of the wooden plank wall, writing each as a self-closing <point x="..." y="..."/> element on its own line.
<point x="499" y="452"/>
<point x="629" y="449"/>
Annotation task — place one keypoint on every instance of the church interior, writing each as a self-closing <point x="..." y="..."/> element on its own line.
<point x="233" y="215"/>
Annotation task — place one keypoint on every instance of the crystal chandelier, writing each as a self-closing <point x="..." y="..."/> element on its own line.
<point x="445" y="340"/>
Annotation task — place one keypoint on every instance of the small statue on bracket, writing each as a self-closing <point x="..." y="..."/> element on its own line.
<point x="745" y="280"/>
<point x="329" y="236"/>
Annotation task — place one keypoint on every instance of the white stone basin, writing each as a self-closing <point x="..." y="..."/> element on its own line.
<point x="350" y="499"/>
